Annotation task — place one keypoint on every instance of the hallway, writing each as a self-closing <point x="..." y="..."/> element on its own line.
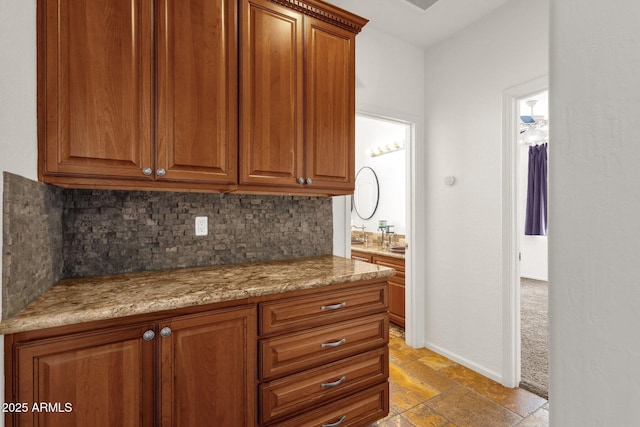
<point x="430" y="390"/>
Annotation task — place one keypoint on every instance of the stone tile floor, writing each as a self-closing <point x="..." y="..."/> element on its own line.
<point x="430" y="390"/>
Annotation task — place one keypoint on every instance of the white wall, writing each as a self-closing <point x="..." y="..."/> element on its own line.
<point x="389" y="74"/>
<point x="534" y="249"/>
<point x="465" y="79"/>
<point x="18" y="131"/>
<point x="390" y="170"/>
<point x="594" y="237"/>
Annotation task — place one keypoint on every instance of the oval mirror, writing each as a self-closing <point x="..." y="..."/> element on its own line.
<point x="367" y="193"/>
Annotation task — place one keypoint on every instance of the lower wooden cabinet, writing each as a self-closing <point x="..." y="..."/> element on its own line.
<point x="396" y="288"/>
<point x="208" y="369"/>
<point x="297" y="392"/>
<point x="182" y="371"/>
<point x="318" y="372"/>
<point x="396" y="282"/>
<point x="321" y="358"/>
<point x="102" y="378"/>
<point x="357" y="410"/>
<point x="292" y="352"/>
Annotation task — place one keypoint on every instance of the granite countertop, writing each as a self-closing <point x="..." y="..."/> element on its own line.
<point x="73" y="301"/>
<point x="375" y="248"/>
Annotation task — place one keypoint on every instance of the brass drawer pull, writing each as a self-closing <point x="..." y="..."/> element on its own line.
<point x="337" y="423"/>
<point x="333" y="344"/>
<point x="335" y="383"/>
<point x="334" y="306"/>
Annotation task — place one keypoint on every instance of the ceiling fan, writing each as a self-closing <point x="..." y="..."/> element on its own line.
<point x="533" y="129"/>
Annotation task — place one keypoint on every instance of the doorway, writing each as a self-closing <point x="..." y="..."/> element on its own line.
<point x="384" y="147"/>
<point x="513" y="242"/>
<point x="533" y="141"/>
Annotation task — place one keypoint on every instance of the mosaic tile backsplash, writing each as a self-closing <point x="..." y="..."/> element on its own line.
<point x="32" y="258"/>
<point x="51" y="233"/>
<point x="108" y="232"/>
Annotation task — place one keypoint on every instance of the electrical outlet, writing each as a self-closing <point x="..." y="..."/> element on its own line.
<point x="202" y="226"/>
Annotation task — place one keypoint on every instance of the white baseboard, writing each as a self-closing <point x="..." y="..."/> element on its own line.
<point x="496" y="376"/>
<point x="531" y="276"/>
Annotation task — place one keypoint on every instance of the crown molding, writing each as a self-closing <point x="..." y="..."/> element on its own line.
<point x="327" y="13"/>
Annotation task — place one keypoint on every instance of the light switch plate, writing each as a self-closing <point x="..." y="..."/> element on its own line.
<point x="202" y="226"/>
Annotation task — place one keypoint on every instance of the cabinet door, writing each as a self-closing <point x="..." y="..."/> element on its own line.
<point x="92" y="379"/>
<point x="396" y="288"/>
<point x="329" y="105"/>
<point x="208" y="369"/>
<point x="197" y="59"/>
<point x="94" y="84"/>
<point x="271" y="94"/>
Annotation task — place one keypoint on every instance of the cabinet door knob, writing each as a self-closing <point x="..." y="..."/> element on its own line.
<point x="309" y="181"/>
<point x="165" y="332"/>
<point x="146" y="171"/>
<point x="300" y="180"/>
<point x="161" y="172"/>
<point x="148" y="335"/>
<point x="337" y="423"/>
<point x="333" y="344"/>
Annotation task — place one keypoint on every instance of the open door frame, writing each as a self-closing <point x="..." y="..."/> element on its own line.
<point x="415" y="294"/>
<point x="510" y="235"/>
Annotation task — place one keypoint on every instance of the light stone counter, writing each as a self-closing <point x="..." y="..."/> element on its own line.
<point x="376" y="249"/>
<point x="73" y="301"/>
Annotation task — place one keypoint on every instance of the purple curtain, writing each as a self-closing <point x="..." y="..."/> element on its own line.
<point x="536" y="216"/>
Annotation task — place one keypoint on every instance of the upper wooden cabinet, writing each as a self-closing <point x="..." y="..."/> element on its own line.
<point x="117" y="115"/>
<point x="94" y="88"/>
<point x="142" y="94"/>
<point x="297" y="98"/>
<point x="197" y="73"/>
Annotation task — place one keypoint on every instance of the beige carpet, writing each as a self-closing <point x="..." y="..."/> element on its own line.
<point x="534" y="331"/>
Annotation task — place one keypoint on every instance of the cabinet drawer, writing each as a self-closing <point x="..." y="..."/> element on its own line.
<point x="295" y="352"/>
<point x="328" y="307"/>
<point x="361" y="256"/>
<point x="395" y="263"/>
<point x="306" y="389"/>
<point x="356" y="410"/>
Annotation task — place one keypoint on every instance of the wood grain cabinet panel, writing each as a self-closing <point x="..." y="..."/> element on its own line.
<point x="356" y="410"/>
<point x="309" y="311"/>
<point x="396" y="282"/>
<point x="361" y="256"/>
<point x="105" y="377"/>
<point x="396" y="287"/>
<point x="271" y="92"/>
<point x="298" y="99"/>
<point x="295" y="352"/>
<point x="144" y="94"/>
<point x="330" y="106"/>
<point x="297" y="392"/>
<point x="208" y="369"/>
<point x="324" y="367"/>
<point x="197" y="77"/>
<point x="138" y="94"/>
<point x="95" y="70"/>
<point x="189" y="370"/>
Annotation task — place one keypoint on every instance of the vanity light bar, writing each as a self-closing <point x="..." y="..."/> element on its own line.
<point x="385" y="149"/>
